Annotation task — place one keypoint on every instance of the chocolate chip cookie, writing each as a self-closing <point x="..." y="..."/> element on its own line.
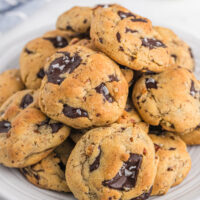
<point x="170" y="98"/>
<point x="192" y="138"/>
<point x="18" y="102"/>
<point x="174" y="162"/>
<point x="75" y="20"/>
<point x="128" y="39"/>
<point x="114" y="162"/>
<point x="180" y="53"/>
<point x="36" y="53"/>
<point x="82" y="88"/>
<point x="10" y="83"/>
<point x="49" y="173"/>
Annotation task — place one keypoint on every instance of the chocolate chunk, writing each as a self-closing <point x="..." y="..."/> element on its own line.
<point x="152" y="43"/>
<point x="150" y="83"/>
<point x="126" y="178"/>
<point x="26" y="100"/>
<point x="121" y="48"/>
<point x="118" y="36"/>
<point x="5" y="126"/>
<point x="191" y="53"/>
<point x="113" y="77"/>
<point x="192" y="89"/>
<point x="144" y="196"/>
<point x="54" y="126"/>
<point x="41" y="74"/>
<point x="172" y="149"/>
<point x="156" y="147"/>
<point x="169" y="169"/>
<point x="96" y="163"/>
<point x="85" y="21"/>
<point x="101" y="40"/>
<point x="72" y="112"/>
<point x="102" y="89"/>
<point x="58" y="41"/>
<point x="139" y="20"/>
<point x="174" y="56"/>
<point x="102" y="6"/>
<point x="157" y="130"/>
<point x="62" y="166"/>
<point x="61" y="65"/>
<point x="69" y="28"/>
<point x="130" y="30"/>
<point x="28" y="51"/>
<point x="124" y="15"/>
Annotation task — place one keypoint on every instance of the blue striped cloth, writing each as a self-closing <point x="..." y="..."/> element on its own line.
<point x="13" y="12"/>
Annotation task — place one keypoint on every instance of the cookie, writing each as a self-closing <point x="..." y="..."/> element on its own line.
<point x="128" y="39"/>
<point x="75" y="20"/>
<point x="18" y="102"/>
<point x="114" y="162"/>
<point x="10" y="83"/>
<point x="174" y="162"/>
<point x="82" y="88"/>
<point x="169" y="99"/>
<point x="36" y="53"/>
<point x="26" y="134"/>
<point x="128" y="74"/>
<point x="192" y="138"/>
<point x="180" y="53"/>
<point x="49" y="173"/>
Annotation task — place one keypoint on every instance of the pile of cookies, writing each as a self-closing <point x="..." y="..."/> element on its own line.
<point x="102" y="107"/>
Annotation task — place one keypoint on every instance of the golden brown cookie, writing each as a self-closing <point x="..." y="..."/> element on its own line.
<point x="10" y="83"/>
<point x="128" y="39"/>
<point x="114" y="162"/>
<point x="82" y="88"/>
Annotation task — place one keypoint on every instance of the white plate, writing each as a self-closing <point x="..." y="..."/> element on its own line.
<point x="13" y="185"/>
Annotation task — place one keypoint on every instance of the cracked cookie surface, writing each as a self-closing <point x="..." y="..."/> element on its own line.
<point x="174" y="162"/>
<point x="114" y="162"/>
<point x="36" y="53"/>
<point x="49" y="173"/>
<point x="128" y="39"/>
<point x="83" y="88"/>
<point x="171" y="99"/>
<point x="10" y="83"/>
<point x="26" y="134"/>
<point x="180" y="53"/>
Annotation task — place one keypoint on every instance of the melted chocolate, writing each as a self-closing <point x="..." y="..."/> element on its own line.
<point x="101" y="40"/>
<point x="139" y="20"/>
<point x="58" y="41"/>
<point x="113" y="77"/>
<point x="72" y="112"/>
<point x="126" y="178"/>
<point x="118" y="36"/>
<point x="152" y="43"/>
<point x="69" y="28"/>
<point x="193" y="91"/>
<point x="150" y="83"/>
<point x="130" y="30"/>
<point x="41" y="74"/>
<point x="124" y="15"/>
<point x="102" y="89"/>
<point x="28" y="51"/>
<point x="156" y="147"/>
<point x="191" y="53"/>
<point x="61" y="65"/>
<point x="26" y="100"/>
<point x="54" y="126"/>
<point x="96" y="163"/>
<point x="5" y="126"/>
